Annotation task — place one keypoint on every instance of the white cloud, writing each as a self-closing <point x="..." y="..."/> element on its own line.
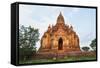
<point x="75" y="9"/>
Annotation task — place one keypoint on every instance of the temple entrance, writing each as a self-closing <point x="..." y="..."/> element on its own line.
<point x="60" y="44"/>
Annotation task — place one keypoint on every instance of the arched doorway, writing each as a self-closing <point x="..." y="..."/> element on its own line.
<point x="60" y="44"/>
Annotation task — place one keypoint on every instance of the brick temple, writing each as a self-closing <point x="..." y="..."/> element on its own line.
<point x="59" y="38"/>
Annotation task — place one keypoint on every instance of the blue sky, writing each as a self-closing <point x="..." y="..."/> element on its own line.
<point x="83" y="20"/>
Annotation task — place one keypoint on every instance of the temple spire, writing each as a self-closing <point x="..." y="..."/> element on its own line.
<point x="60" y="14"/>
<point x="60" y="19"/>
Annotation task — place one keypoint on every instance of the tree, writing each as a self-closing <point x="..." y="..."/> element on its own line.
<point x="93" y="44"/>
<point x="28" y="36"/>
<point x="85" y="48"/>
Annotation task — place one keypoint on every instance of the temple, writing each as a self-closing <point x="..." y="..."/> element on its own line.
<point x="59" y="38"/>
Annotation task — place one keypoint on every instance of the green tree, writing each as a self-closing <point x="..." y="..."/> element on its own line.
<point x="28" y="36"/>
<point x="85" y="48"/>
<point x="93" y="44"/>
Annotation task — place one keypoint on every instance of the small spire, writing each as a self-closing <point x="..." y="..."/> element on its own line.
<point x="71" y="27"/>
<point x="49" y="26"/>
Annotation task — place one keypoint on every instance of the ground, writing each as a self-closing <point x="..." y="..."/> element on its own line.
<point x="80" y="57"/>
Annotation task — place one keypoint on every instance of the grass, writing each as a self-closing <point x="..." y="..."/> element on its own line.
<point x="66" y="58"/>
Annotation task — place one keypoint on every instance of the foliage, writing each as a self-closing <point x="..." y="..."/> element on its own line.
<point x="85" y="48"/>
<point x="28" y="36"/>
<point x="93" y="44"/>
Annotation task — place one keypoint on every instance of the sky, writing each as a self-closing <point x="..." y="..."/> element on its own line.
<point x="83" y="20"/>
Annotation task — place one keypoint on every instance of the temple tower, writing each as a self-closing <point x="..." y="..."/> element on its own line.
<point x="60" y="38"/>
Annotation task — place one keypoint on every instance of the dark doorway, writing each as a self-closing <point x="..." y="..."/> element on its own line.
<point x="60" y="44"/>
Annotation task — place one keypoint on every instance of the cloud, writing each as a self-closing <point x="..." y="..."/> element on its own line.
<point x="74" y="11"/>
